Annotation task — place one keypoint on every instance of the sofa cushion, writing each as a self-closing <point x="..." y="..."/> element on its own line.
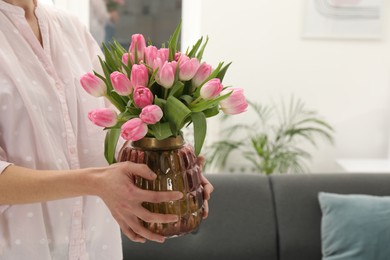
<point x="355" y="227"/>
<point x="298" y="211"/>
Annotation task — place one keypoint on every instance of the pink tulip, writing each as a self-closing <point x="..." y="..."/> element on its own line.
<point x="235" y="103"/>
<point x="163" y="54"/>
<point x="187" y="67"/>
<point x="166" y="74"/>
<point x="139" y="75"/>
<point x="104" y="117"/>
<point x="211" y="89"/>
<point x="150" y="55"/>
<point x="157" y="63"/>
<point x="152" y="58"/>
<point x="138" y="44"/>
<point x="142" y="96"/>
<point x="121" y="83"/>
<point x="93" y="85"/>
<point x="125" y="58"/>
<point x="151" y="114"/>
<point x="201" y="75"/>
<point x="178" y="55"/>
<point x="134" y="130"/>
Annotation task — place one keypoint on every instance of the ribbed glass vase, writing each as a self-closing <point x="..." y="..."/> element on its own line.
<point x="175" y="164"/>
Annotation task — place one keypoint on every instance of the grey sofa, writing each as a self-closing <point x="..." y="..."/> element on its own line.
<point x="261" y="217"/>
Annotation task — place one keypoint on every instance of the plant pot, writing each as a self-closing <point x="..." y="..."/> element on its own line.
<point x="176" y="167"/>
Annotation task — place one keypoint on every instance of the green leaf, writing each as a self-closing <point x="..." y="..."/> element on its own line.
<point x="110" y="143"/>
<point x="200" y="129"/>
<point x="187" y="99"/>
<point x="161" y="130"/>
<point x="152" y="78"/>
<point x="222" y="72"/>
<point x="176" y="112"/>
<point x="201" y="51"/>
<point x="195" y="48"/>
<point x="173" y="42"/>
<point x="206" y="104"/>
<point x="133" y="110"/>
<point x="213" y="111"/>
<point x="160" y="102"/>
<point x="177" y="89"/>
<point x="109" y="59"/>
<point x="119" y="47"/>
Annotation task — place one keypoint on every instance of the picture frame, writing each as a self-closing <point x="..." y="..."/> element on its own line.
<point x="343" y="19"/>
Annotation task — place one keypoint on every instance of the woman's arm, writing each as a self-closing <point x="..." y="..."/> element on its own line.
<point x="113" y="184"/>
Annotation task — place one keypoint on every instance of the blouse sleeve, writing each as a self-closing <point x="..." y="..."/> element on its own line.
<point x="3" y="165"/>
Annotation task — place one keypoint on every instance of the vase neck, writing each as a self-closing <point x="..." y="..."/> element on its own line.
<point x="154" y="144"/>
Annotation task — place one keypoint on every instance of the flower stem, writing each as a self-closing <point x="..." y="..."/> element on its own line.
<point x="196" y="101"/>
<point x="115" y="103"/>
<point x="165" y="93"/>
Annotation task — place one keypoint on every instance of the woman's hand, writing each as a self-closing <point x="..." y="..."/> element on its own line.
<point x="207" y="187"/>
<point x="124" y="199"/>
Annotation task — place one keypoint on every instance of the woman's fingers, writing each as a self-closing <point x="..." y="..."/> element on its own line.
<point x="148" y="216"/>
<point x="141" y="170"/>
<point x="207" y="187"/>
<point x="133" y="229"/>
<point x="157" y="196"/>
<point x="130" y="233"/>
<point x="200" y="160"/>
<point x="205" y="209"/>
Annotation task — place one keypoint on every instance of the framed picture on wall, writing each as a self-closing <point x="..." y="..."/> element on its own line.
<point x="343" y="19"/>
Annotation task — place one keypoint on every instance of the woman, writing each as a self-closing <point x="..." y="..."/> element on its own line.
<point x="58" y="197"/>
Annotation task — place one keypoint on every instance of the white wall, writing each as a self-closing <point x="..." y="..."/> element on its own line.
<point x="346" y="81"/>
<point x="79" y="8"/>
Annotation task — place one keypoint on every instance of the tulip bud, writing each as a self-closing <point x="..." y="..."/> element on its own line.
<point x="235" y="103"/>
<point x="139" y="75"/>
<point x="93" y="85"/>
<point x="104" y="117"/>
<point x="125" y="58"/>
<point x="201" y="74"/>
<point x="211" y="89"/>
<point x="166" y="74"/>
<point x="150" y="55"/>
<point x="163" y="54"/>
<point x="138" y="44"/>
<point x="142" y="96"/>
<point x="157" y="63"/>
<point x="121" y="83"/>
<point x="134" y="130"/>
<point x="151" y="114"/>
<point x="178" y="55"/>
<point x="187" y="67"/>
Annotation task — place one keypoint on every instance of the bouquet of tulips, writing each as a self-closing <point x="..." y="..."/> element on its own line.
<point x="158" y="91"/>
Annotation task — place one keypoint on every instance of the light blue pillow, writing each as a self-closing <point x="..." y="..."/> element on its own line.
<point x="355" y="227"/>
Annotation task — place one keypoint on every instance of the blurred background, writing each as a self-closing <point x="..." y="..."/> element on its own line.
<point x="331" y="54"/>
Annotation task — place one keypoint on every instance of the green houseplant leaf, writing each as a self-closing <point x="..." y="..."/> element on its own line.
<point x="272" y="142"/>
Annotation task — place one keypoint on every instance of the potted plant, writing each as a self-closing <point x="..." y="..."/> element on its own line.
<point x="273" y="143"/>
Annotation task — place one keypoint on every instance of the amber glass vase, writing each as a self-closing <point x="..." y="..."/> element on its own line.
<point x="174" y="162"/>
